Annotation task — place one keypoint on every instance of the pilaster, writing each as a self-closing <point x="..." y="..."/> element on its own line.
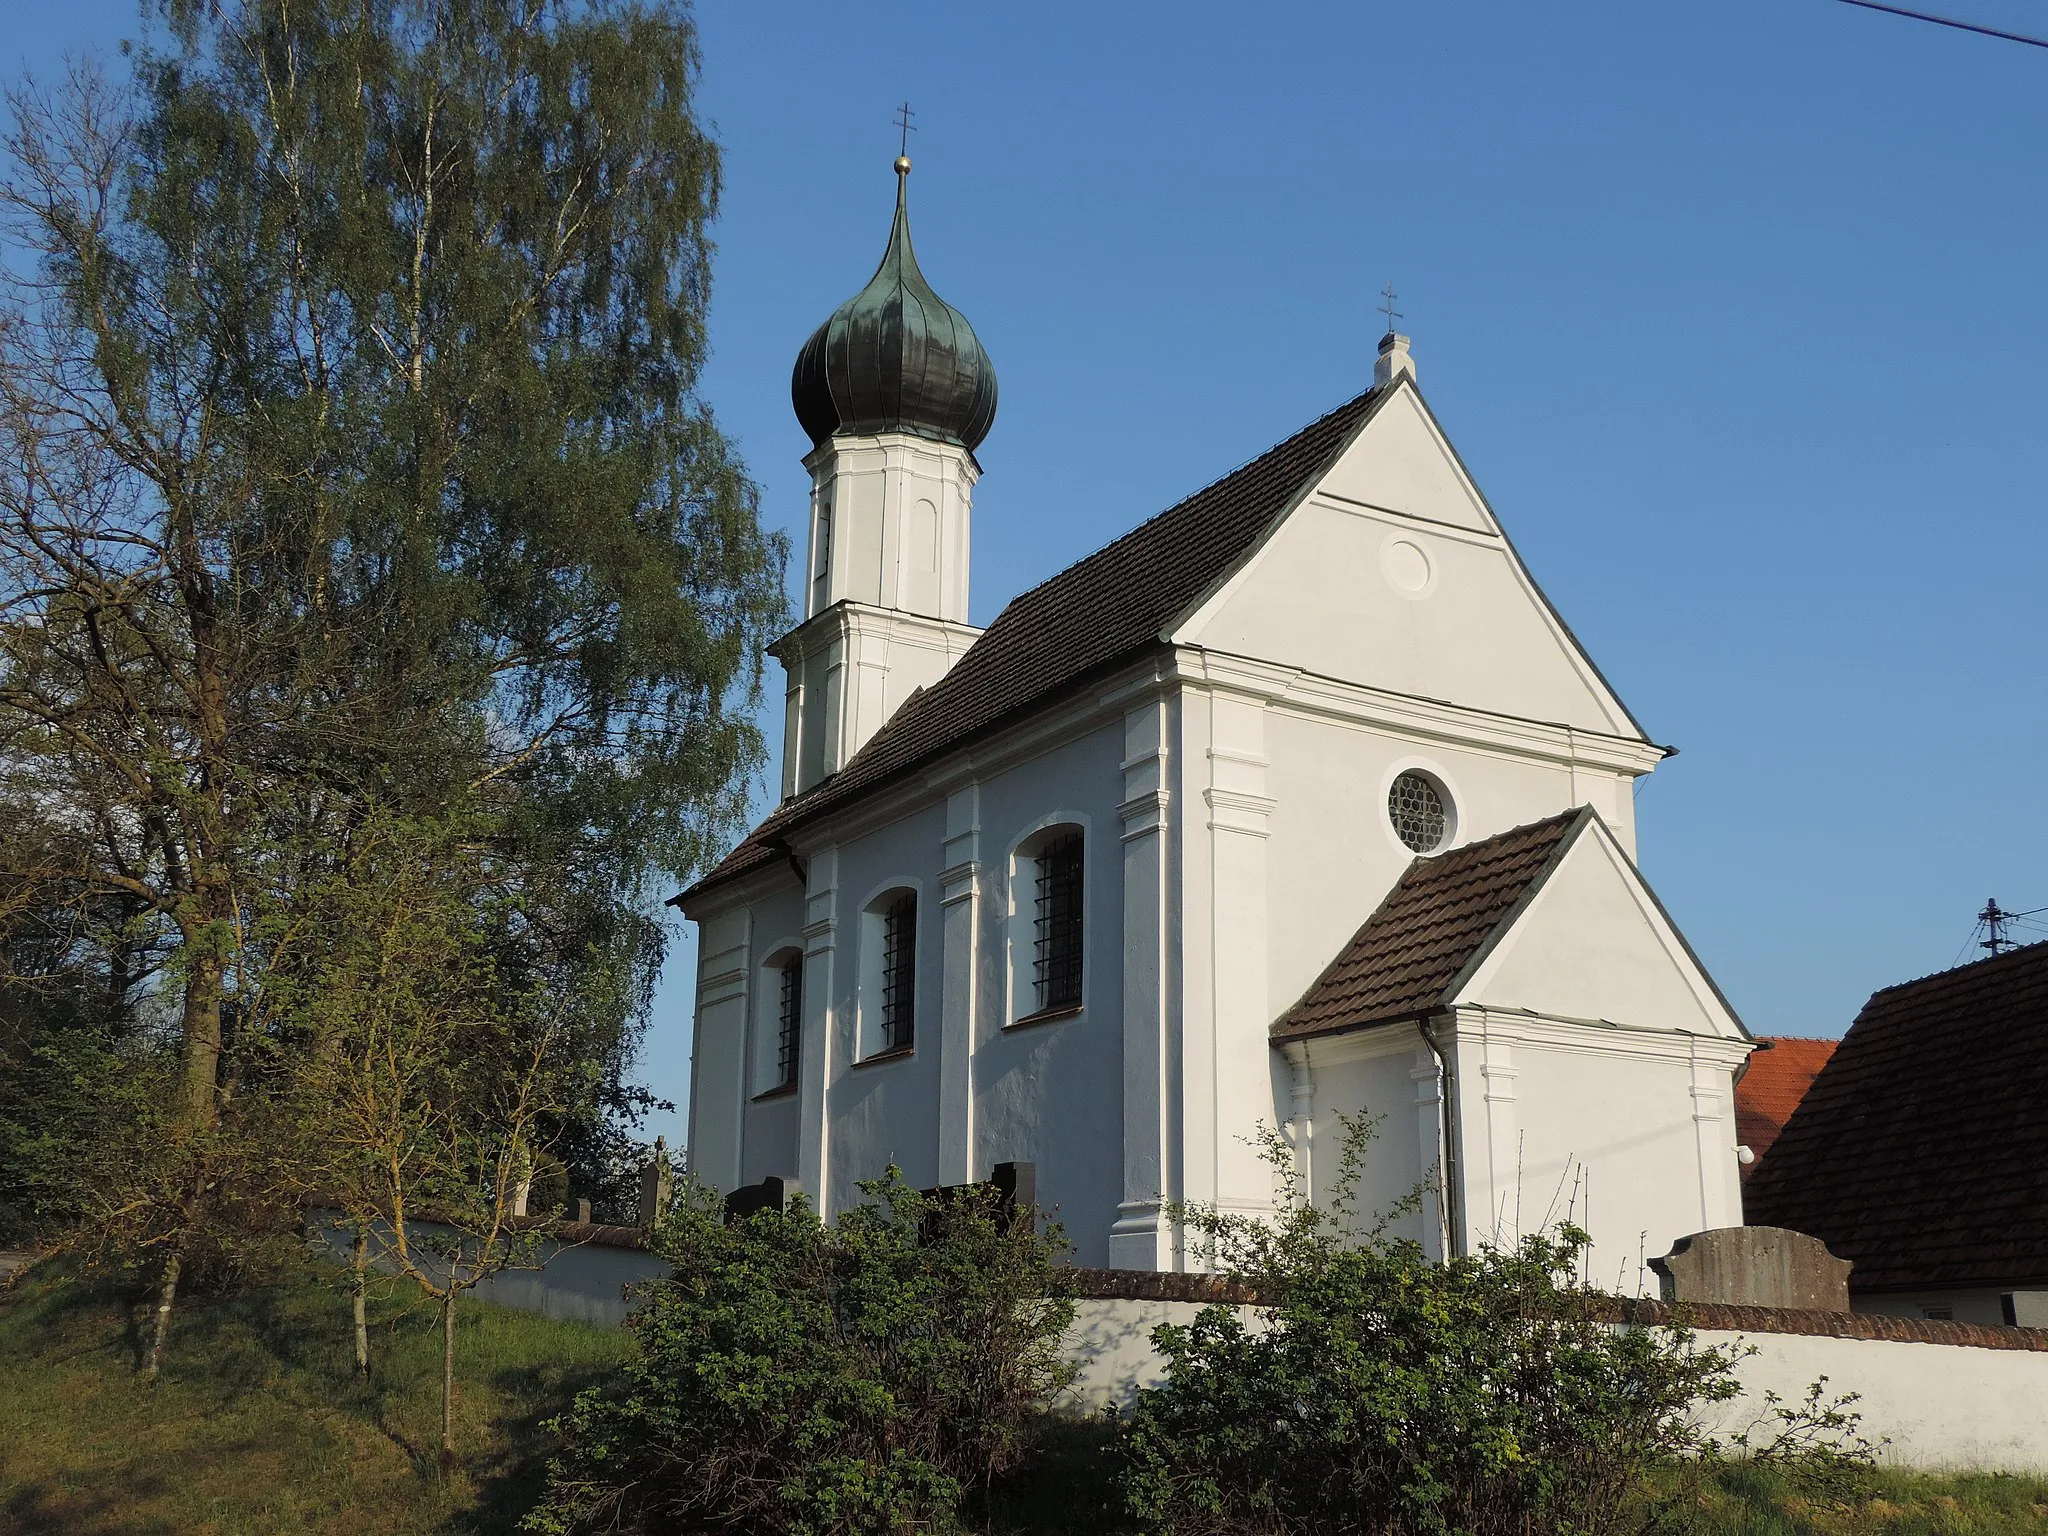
<point x="1714" y="1137"/>
<point x="1239" y="1057"/>
<point x="819" y="1060"/>
<point x="1139" y="1239"/>
<point x="1496" y="1188"/>
<point x="718" y="1092"/>
<point x="960" y="888"/>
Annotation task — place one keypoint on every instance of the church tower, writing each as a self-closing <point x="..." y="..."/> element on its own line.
<point x="896" y="393"/>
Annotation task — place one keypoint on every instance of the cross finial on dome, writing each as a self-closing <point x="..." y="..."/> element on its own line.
<point x="1387" y="295"/>
<point x="903" y="121"/>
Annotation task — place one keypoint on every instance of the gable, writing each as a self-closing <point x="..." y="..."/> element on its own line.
<point x="1393" y="574"/>
<point x="1403" y="464"/>
<point x="1593" y="943"/>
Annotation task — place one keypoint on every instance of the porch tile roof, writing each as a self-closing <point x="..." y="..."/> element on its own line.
<point x="1411" y="954"/>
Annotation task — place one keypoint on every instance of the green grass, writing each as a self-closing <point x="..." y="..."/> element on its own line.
<point x="1739" y="1499"/>
<point x="259" y="1425"/>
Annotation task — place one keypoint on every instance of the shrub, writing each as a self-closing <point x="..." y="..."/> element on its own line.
<point x="872" y="1375"/>
<point x="1386" y="1392"/>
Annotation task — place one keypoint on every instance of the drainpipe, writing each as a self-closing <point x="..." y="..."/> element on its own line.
<point x="1447" y="1084"/>
<point x="1301" y="1116"/>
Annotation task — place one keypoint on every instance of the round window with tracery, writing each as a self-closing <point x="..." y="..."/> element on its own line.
<point x="1416" y="807"/>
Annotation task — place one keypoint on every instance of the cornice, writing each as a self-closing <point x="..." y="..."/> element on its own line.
<point x="847" y="618"/>
<point x="1599" y="1037"/>
<point x="1103" y="704"/>
<point x="1311" y="695"/>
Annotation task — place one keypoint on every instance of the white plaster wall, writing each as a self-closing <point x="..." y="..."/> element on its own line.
<point x="1401" y="1153"/>
<point x="718" y="1059"/>
<point x="1608" y="1140"/>
<point x="1394" y="574"/>
<point x="769" y="1141"/>
<point x="1589" y="948"/>
<point x="1334" y="856"/>
<point x="574" y="1282"/>
<point x="1319" y="599"/>
<point x="886" y="1112"/>
<point x="1050" y="1093"/>
<point x="1941" y="1406"/>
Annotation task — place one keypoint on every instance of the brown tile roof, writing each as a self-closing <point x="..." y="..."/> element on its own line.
<point x="1921" y="1150"/>
<point x="1433" y="926"/>
<point x="1781" y="1070"/>
<point x="1092" y="617"/>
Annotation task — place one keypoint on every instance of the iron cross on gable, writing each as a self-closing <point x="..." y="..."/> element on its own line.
<point x="1387" y="308"/>
<point x="902" y="120"/>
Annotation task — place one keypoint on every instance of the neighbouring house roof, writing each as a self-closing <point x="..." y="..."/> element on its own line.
<point x="1921" y="1150"/>
<point x="1438" y="922"/>
<point x="1091" y="618"/>
<point x="1776" y="1079"/>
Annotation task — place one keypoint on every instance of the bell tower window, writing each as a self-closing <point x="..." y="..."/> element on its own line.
<point x="821" y="572"/>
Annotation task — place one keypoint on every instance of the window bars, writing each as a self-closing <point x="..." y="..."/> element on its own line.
<point x="1417" y="812"/>
<point x="789" y="1022"/>
<point x="899" y="974"/>
<point x="1057" y="961"/>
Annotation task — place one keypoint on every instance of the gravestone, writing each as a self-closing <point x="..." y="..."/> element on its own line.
<point x="1755" y="1267"/>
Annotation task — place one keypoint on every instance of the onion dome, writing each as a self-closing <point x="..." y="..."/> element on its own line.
<point x="896" y="357"/>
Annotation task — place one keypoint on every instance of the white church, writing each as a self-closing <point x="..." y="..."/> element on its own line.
<point x="1297" y="800"/>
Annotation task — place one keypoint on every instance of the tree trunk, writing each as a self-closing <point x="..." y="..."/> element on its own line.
<point x="203" y="988"/>
<point x="166" y="1295"/>
<point x="448" y="1380"/>
<point x="360" y="1262"/>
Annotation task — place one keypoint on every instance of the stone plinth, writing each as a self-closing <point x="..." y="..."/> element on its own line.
<point x="1755" y="1267"/>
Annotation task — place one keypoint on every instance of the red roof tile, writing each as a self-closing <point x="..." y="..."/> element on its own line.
<point x="1921" y="1150"/>
<point x="1410" y="954"/>
<point x="1780" y="1072"/>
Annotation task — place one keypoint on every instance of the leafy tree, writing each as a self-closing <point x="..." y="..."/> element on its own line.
<point x="423" y="1087"/>
<point x="1387" y="1392"/>
<point x="871" y="1375"/>
<point x="351" y="456"/>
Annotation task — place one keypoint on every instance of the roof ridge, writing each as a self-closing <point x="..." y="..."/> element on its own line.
<point x="1971" y="965"/>
<point x="1230" y="474"/>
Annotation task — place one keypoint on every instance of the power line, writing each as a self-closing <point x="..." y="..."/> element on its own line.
<point x="1950" y="21"/>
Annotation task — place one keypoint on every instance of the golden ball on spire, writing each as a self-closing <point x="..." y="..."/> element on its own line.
<point x="903" y="165"/>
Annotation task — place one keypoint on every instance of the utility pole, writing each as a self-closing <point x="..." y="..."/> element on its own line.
<point x="1993" y="917"/>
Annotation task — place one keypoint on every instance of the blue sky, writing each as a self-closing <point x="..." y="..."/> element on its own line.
<point x="1736" y="311"/>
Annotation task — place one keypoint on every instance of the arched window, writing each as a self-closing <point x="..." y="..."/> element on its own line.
<point x="1048" y="884"/>
<point x="789" y="1021"/>
<point x="779" y="1021"/>
<point x="899" y="973"/>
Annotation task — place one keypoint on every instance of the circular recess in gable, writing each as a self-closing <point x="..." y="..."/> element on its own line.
<point x="1407" y="567"/>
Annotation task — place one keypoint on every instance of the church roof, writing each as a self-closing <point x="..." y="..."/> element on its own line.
<point x="1776" y="1079"/>
<point x="1435" y="926"/>
<point x="1093" y="617"/>
<point x="1921" y="1150"/>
